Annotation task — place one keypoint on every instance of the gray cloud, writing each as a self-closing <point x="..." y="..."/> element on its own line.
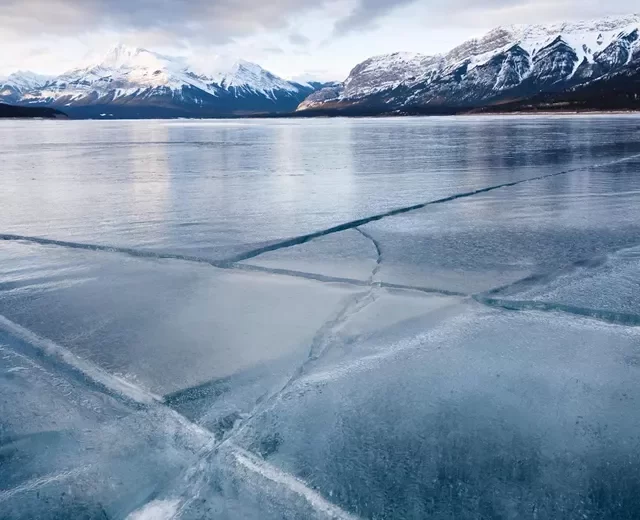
<point x="216" y="21"/>
<point x="481" y="13"/>
<point x="273" y="50"/>
<point x="366" y="13"/>
<point x="298" y="39"/>
<point x="490" y="13"/>
<point x="221" y="21"/>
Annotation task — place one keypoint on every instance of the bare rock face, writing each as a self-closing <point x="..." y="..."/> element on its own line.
<point x="507" y="63"/>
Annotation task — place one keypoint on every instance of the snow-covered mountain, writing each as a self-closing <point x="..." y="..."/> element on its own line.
<point x="136" y="82"/>
<point x="507" y="63"/>
<point x="17" y="84"/>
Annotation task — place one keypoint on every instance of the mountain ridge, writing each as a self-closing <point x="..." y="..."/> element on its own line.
<point x="508" y="62"/>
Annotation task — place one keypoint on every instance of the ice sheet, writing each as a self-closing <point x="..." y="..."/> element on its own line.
<point x="230" y="319"/>
<point x="70" y="450"/>
<point x="349" y="255"/>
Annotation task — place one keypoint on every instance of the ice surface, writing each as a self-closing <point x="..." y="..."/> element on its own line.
<point x="486" y="413"/>
<point x="69" y="450"/>
<point x="222" y="319"/>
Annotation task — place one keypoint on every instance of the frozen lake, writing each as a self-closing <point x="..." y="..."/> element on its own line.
<point x="364" y="318"/>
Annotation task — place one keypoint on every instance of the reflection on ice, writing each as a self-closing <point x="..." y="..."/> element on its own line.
<point x="476" y="244"/>
<point x="169" y="325"/>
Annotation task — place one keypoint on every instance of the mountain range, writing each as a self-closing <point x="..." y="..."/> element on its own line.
<point x="503" y="69"/>
<point x="581" y="65"/>
<point x="134" y="82"/>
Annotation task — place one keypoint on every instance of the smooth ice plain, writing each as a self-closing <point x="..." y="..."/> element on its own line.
<point x="350" y="318"/>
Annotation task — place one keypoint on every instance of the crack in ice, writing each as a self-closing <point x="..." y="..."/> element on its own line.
<point x="378" y="248"/>
<point x="80" y="368"/>
<point x="495" y="297"/>
<point x="615" y="318"/>
<point x="233" y="266"/>
<point x="302" y="239"/>
<point x="323" y="340"/>
<point x="140" y="253"/>
<point x="37" y="483"/>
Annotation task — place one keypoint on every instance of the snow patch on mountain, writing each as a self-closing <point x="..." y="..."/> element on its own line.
<point x="586" y="38"/>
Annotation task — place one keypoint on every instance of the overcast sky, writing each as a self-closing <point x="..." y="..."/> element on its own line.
<point x="300" y="39"/>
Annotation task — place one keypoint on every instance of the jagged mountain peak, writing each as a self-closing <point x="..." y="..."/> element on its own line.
<point x="25" y="78"/>
<point x="122" y="56"/>
<point x="19" y="83"/>
<point x="242" y="74"/>
<point x="129" y="68"/>
<point x="121" y="50"/>
<point x="493" y="40"/>
<point x="388" y="70"/>
<point x="588" y="36"/>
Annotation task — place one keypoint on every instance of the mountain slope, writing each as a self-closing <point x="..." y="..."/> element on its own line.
<point x="619" y="91"/>
<point x="508" y="62"/>
<point x="133" y="82"/>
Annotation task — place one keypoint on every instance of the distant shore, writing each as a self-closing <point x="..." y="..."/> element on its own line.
<point x="13" y="112"/>
<point x="21" y="112"/>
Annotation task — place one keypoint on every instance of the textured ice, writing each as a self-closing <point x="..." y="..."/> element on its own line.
<point x="216" y="189"/>
<point x="606" y="287"/>
<point x="486" y="413"/>
<point x="70" y="450"/>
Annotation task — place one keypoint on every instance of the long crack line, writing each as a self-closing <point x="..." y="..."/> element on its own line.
<point x="301" y="239"/>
